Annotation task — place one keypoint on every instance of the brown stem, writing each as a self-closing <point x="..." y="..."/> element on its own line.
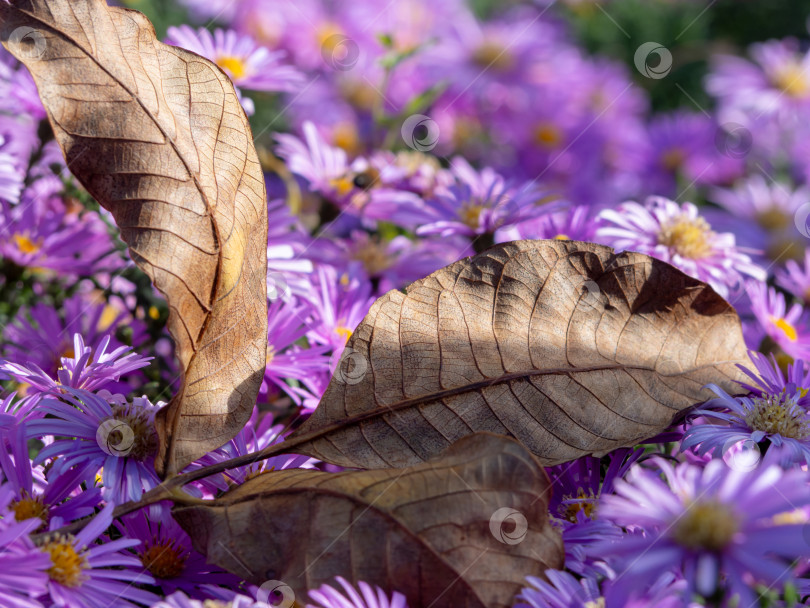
<point x="171" y="488"/>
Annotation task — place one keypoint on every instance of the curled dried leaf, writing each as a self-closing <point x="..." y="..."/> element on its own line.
<point x="157" y="135"/>
<point x="462" y="529"/>
<point x="567" y="346"/>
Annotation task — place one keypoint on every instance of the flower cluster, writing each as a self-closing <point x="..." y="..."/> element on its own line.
<point x="396" y="140"/>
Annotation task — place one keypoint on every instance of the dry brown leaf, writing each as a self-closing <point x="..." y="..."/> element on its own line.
<point x="157" y="135"/>
<point x="567" y="346"/>
<point x="463" y="529"/>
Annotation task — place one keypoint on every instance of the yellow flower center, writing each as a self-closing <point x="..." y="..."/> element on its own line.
<point x="108" y="315"/>
<point x="271" y="354"/>
<point x="687" y="236"/>
<point x="344" y="331"/>
<point x="164" y="560"/>
<point x="67" y="564"/>
<point x="792" y="81"/>
<point x="236" y="66"/>
<point x="776" y="415"/>
<point x="708" y="526"/>
<point x="470" y="215"/>
<point x="672" y="159"/>
<point x="216" y="604"/>
<point x="30" y="507"/>
<point x="547" y="135"/>
<point x="493" y="55"/>
<point x="788" y="329"/>
<point x="585" y="503"/>
<point x="345" y="136"/>
<point x="373" y="256"/>
<point x="328" y="36"/>
<point x="25" y="244"/>
<point x="773" y="219"/>
<point x="600" y="603"/>
<point x="343" y="185"/>
<point x="562" y="237"/>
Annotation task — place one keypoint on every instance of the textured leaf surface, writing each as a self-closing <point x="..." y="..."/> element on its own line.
<point x="157" y="135"/>
<point x="435" y="531"/>
<point x="567" y="346"/>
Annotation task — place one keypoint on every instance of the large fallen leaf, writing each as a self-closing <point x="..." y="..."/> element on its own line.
<point x="157" y="135"/>
<point x="567" y="346"/>
<point x="463" y="529"/>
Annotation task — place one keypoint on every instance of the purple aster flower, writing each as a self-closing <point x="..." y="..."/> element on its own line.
<point x="777" y="82"/>
<point x="679" y="235"/>
<point x="166" y="553"/>
<point x="795" y="278"/>
<point x="54" y="501"/>
<point x="108" y="433"/>
<point x="479" y="202"/>
<point x="288" y="323"/>
<point x="788" y="328"/>
<point x="389" y="264"/>
<point x="18" y="93"/>
<point x="762" y="215"/>
<point x="36" y="237"/>
<point x="721" y="527"/>
<point x="44" y="336"/>
<point x="86" y="573"/>
<point x="777" y="417"/>
<point x="22" y="566"/>
<point x="82" y="370"/>
<point x="249" y="65"/>
<point x="339" y="302"/>
<point x="367" y="597"/>
<point x="683" y="145"/>
<point x="577" y="487"/>
<point x="181" y="600"/>
<point x="326" y="168"/>
<point x="576" y="223"/>
<point x="579" y="484"/>
<point x="259" y="433"/>
<point x="769" y="380"/>
<point x="565" y="591"/>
